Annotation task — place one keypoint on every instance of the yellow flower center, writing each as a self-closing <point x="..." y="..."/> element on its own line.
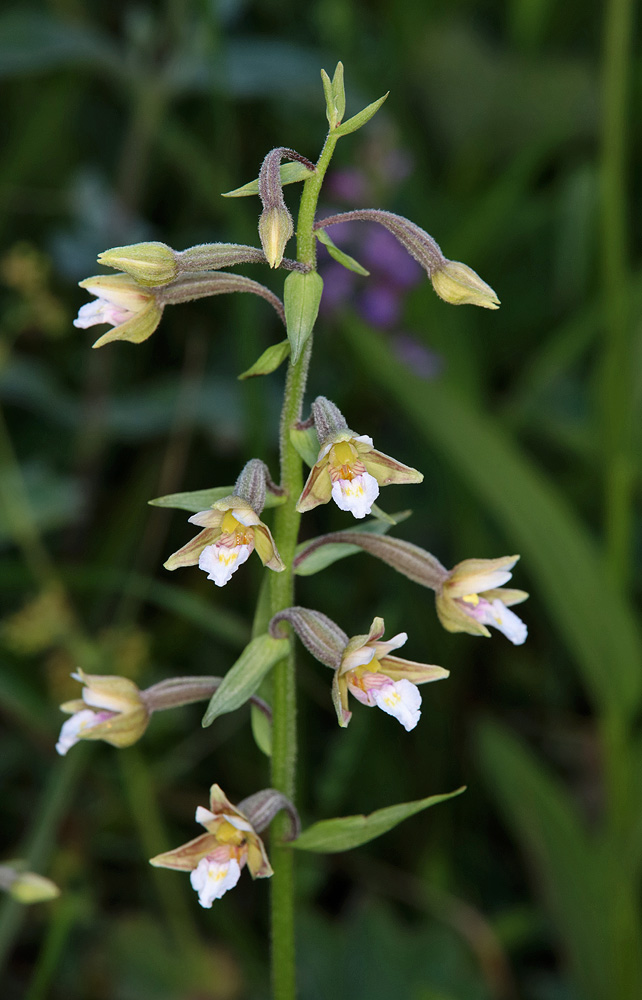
<point x="471" y="599"/>
<point x="345" y="462"/>
<point x="228" y="834"/>
<point x="233" y="532"/>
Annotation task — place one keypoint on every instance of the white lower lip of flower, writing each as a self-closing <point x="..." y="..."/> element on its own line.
<point x="220" y="561"/>
<point x="211" y="879"/>
<point x="400" y="699"/>
<point x="498" y="616"/>
<point x="356" y="495"/>
<point x="71" y="730"/>
<point x="101" y="311"/>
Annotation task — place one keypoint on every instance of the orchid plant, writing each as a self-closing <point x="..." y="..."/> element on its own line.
<point x="344" y="467"/>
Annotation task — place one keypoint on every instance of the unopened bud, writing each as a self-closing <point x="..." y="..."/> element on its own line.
<point x="27" y="887"/>
<point x="149" y="263"/>
<point x="328" y="419"/>
<point x="262" y="807"/>
<point x="460" y="285"/>
<point x="319" y="634"/>
<point x="275" y="229"/>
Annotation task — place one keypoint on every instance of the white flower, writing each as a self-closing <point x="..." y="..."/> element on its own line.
<point x="212" y="879"/>
<point x="496" y="613"/>
<point x="72" y="729"/>
<point x="102" y="311"/>
<point x="356" y="494"/>
<point x="400" y="699"/>
<point x="221" y="560"/>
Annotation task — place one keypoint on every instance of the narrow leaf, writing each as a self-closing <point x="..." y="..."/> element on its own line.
<point x="346" y="832"/>
<point x="290" y="174"/>
<point x="198" y="500"/>
<point x="570" y="868"/>
<point x="357" y="121"/>
<point x="269" y="361"/>
<point x="261" y="730"/>
<point x="301" y="298"/>
<point x="339" y="255"/>
<point x="243" y="679"/>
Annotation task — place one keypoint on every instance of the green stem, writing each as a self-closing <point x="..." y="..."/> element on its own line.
<point x="286" y="532"/>
<point x="618" y="372"/>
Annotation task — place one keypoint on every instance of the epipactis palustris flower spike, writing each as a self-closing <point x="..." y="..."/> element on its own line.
<point x="374" y="677"/>
<point x="132" y="310"/>
<point x="348" y="470"/>
<point x="474" y="596"/>
<point x="111" y="709"/>
<point x="216" y="858"/>
<point x="232" y="531"/>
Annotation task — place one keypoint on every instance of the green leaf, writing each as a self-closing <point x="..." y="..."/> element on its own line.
<point x="357" y="121"/>
<point x="301" y="298"/>
<point x="269" y="361"/>
<point x="586" y="896"/>
<point x="306" y="442"/>
<point x="339" y="255"/>
<point x="595" y="621"/>
<point x="243" y="679"/>
<point x="290" y="174"/>
<point x="346" y="832"/>
<point x="331" y="552"/>
<point x="198" y="500"/>
<point x="261" y="730"/>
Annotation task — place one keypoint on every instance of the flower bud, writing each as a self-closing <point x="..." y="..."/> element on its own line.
<point x="275" y="229"/>
<point x="26" y="887"/>
<point x="148" y="263"/>
<point x="460" y="285"/>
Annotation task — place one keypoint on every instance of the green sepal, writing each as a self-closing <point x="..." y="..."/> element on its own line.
<point x="306" y="442"/>
<point x="357" y="121"/>
<point x="269" y="361"/>
<point x="335" y="95"/>
<point x="339" y="255"/>
<point x="301" y="298"/>
<point x="261" y="730"/>
<point x="242" y="680"/>
<point x="345" y="832"/>
<point x="198" y="500"/>
<point x="330" y="553"/>
<point x="290" y="174"/>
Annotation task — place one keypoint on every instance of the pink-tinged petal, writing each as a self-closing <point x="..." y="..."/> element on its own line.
<point x="387" y="470"/>
<point x="318" y="487"/>
<point x="356" y="495"/>
<point x="340" y="699"/>
<point x="419" y="673"/>
<point x="101" y="311"/>
<point x="397" y="641"/>
<point x="220" y="561"/>
<point x="190" y="554"/>
<point x="401" y="699"/>
<point x="212" y="879"/>
<point x="220" y="804"/>
<point x="266" y="548"/>
<point x="136" y="329"/>
<point x="186" y="857"/>
<point x="500" y="617"/>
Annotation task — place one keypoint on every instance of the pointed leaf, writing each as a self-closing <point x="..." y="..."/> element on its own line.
<point x="243" y="679"/>
<point x="346" y="832"/>
<point x="269" y="361"/>
<point x="290" y="174"/>
<point x="301" y="298"/>
<point x="339" y="255"/>
<point x="306" y="442"/>
<point x="198" y="500"/>
<point x="357" y="121"/>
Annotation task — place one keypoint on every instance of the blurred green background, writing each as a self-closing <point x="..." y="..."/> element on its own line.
<point x="512" y="135"/>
